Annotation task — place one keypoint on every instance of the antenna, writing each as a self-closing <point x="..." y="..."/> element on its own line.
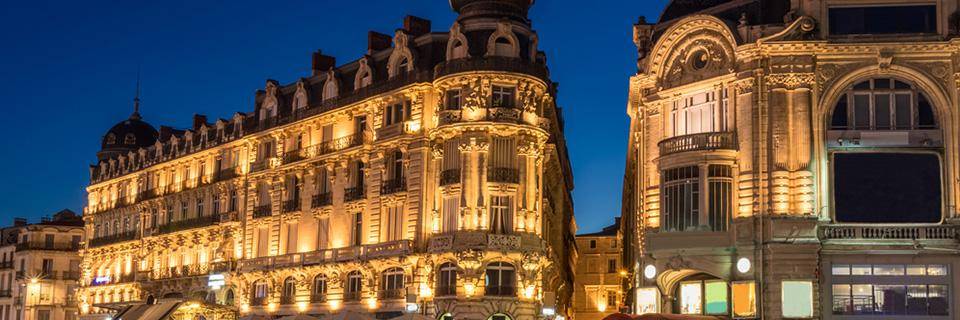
<point x="136" y="98"/>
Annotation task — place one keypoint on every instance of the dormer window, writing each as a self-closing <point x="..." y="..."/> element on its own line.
<point x="503" y="47"/>
<point x="111" y="138"/>
<point x="129" y="139"/>
<point x="883" y="19"/>
<point x="502" y="97"/>
<point x="458" y="50"/>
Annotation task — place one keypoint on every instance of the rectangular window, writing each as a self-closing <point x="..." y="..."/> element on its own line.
<point x="612" y="266"/>
<point x="323" y="233"/>
<point x="744" y="299"/>
<point x="502" y="97"/>
<point x="715" y="297"/>
<point x="292" y="237"/>
<point x="887" y="187"/>
<point x="394" y="223"/>
<point x="47" y="267"/>
<point x="263" y="242"/>
<point x="501" y="214"/>
<point x="396" y="113"/>
<point x="357" y="229"/>
<point x="451" y="214"/>
<point x="691" y="298"/>
<point x="453" y="99"/>
<point x="902" y="19"/>
<point x="797" y="299"/>
<point x="680" y="199"/>
<point x="48" y="241"/>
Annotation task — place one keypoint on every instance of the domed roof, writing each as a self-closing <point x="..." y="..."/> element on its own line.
<point x="513" y="9"/>
<point x="679" y="8"/>
<point x="129" y="134"/>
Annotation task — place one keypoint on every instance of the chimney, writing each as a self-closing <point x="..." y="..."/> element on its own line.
<point x="19" y="222"/>
<point x="416" y="26"/>
<point x="199" y="120"/>
<point x="377" y="41"/>
<point x="322" y="62"/>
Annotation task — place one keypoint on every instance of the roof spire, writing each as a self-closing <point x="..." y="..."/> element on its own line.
<point x="136" y="99"/>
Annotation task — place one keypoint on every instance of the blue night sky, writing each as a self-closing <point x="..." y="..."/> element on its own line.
<point x="68" y="72"/>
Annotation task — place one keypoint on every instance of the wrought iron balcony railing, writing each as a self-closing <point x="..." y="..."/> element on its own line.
<point x="446" y="291"/>
<point x="318" y="297"/>
<point x="449" y="176"/>
<point x="354" y="194"/>
<point x="504" y="175"/>
<point x="291" y="205"/>
<point x="351" y="296"/>
<point x="293" y="156"/>
<point x="392" y="293"/>
<point x="262" y="211"/>
<point x="699" y="142"/>
<point x="120" y="237"/>
<point x="393" y="186"/>
<point x="6" y="265"/>
<point x="500" y="291"/>
<point x="227" y="173"/>
<point x="198" y="222"/>
<point x="321" y="200"/>
<point x="259" y="165"/>
<point x="51" y="246"/>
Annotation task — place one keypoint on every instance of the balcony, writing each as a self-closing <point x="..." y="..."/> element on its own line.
<point x="4" y="265"/>
<point x="446" y="291"/>
<point x="351" y="296"/>
<point x="393" y="186"/>
<point x="293" y="156"/>
<point x="392" y="293"/>
<point x="502" y="291"/>
<point x="354" y="194"/>
<point x="337" y="144"/>
<point x="503" y="175"/>
<point x="318" y="297"/>
<point x="390" y="131"/>
<point x="287" y="299"/>
<point x="262" y="211"/>
<point x="227" y="173"/>
<point x="321" y="200"/>
<point x="148" y="194"/>
<point x="878" y="234"/>
<point x="506" y="64"/>
<point x="259" y="165"/>
<point x="182" y="225"/>
<point x="6" y="293"/>
<point x="50" y="246"/>
<point x="449" y="176"/>
<point x="300" y="260"/>
<point x="484" y="240"/>
<point x="292" y="205"/>
<point x="120" y="237"/>
<point x="258" y="301"/>
<point x="699" y="142"/>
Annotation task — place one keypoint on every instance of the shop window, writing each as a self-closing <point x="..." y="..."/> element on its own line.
<point x="648" y="300"/>
<point x="744" y="298"/>
<point x="796" y="299"/>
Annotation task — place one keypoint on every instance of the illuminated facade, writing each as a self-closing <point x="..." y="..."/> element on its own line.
<point x="600" y="274"/>
<point x="40" y="267"/>
<point x="429" y="176"/>
<point x="795" y="159"/>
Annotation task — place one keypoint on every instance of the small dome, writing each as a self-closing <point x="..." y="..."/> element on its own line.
<point x="680" y="8"/>
<point x="497" y="9"/>
<point x="128" y="135"/>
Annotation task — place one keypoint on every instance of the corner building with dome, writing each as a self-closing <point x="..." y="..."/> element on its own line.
<point x="795" y="159"/>
<point x="428" y="177"/>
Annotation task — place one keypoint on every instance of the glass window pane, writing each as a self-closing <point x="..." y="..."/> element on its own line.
<point x="890" y="299"/>
<point x="842" y="303"/>
<point x="691" y="298"/>
<point x="797" y="299"/>
<point x="839" y="120"/>
<point x="887" y="270"/>
<point x="916" y="299"/>
<point x="925" y="117"/>
<point x="903" y="114"/>
<point x="916" y="270"/>
<point x="881" y="84"/>
<point x="882" y="111"/>
<point x="840" y="270"/>
<point x="862" y="296"/>
<point x="861" y="270"/>
<point x="648" y="300"/>
<point x="936" y="270"/>
<point x="937" y="303"/>
<point x="861" y="112"/>
<point x="716" y="297"/>
<point x="744" y="299"/>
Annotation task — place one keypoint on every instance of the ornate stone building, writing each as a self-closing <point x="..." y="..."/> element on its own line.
<point x="429" y="176"/>
<point x="598" y="286"/>
<point x="40" y="267"/>
<point x="795" y="159"/>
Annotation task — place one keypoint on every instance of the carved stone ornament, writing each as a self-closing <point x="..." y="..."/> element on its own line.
<point x="791" y="80"/>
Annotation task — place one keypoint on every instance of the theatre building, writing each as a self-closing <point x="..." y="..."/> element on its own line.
<point x="795" y="159"/>
<point x="428" y="177"/>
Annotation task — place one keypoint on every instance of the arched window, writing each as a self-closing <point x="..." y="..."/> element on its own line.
<point x="289" y="291"/>
<point x="883" y="104"/>
<point x="391" y="284"/>
<point x="501" y="279"/>
<point x="354" y="286"/>
<point x="129" y="139"/>
<point x="458" y="50"/>
<point x="447" y="280"/>
<point x="330" y="87"/>
<point x="403" y="66"/>
<point x="500" y="316"/>
<point x="111" y="138"/>
<point x="885" y="152"/>
<point x="228" y="298"/>
<point x="319" y="292"/>
<point x="261" y="289"/>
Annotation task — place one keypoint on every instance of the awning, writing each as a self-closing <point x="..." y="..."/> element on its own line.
<point x="158" y="311"/>
<point x="351" y="315"/>
<point x="412" y="316"/>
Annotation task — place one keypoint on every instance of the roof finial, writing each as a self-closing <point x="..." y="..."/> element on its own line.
<point x="136" y="99"/>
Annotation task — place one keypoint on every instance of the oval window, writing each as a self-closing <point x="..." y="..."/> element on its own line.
<point x="699" y="60"/>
